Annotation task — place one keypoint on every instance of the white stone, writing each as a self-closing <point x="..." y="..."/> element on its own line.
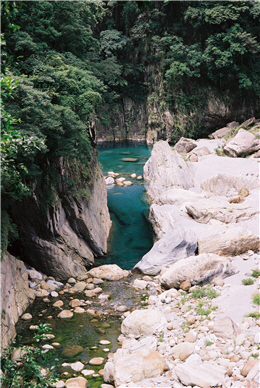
<point x="143" y="322"/>
<point x="54" y="294"/>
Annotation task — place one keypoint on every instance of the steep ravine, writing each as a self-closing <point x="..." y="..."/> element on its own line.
<point x="62" y="243"/>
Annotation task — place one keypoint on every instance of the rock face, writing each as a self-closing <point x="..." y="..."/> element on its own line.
<point x="15" y="296"/>
<point x="197" y="269"/>
<point x="178" y="244"/>
<point x="64" y="241"/>
<point x="165" y="169"/>
<point x="244" y="143"/>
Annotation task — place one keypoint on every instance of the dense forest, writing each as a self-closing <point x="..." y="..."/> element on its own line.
<point x="68" y="65"/>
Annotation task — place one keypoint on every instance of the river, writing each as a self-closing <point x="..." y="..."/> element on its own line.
<point x="129" y="240"/>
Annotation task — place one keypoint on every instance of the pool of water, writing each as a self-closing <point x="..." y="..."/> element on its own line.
<point x="131" y="235"/>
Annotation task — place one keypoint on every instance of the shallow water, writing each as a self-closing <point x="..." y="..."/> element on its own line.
<point x="130" y="239"/>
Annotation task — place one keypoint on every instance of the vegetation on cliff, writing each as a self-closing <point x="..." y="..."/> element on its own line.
<point x="65" y="63"/>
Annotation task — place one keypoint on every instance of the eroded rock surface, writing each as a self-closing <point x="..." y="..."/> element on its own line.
<point x="244" y="143"/>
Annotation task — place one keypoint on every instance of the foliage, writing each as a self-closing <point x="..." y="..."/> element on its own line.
<point x="247" y="282"/>
<point x="256" y="299"/>
<point x="255" y="273"/>
<point x="204" y="292"/>
<point x="27" y="370"/>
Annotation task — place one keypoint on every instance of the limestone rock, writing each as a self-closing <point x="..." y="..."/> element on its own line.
<point x="15" y="295"/>
<point x="254" y="373"/>
<point x="248" y="366"/>
<point x="147" y="342"/>
<point x="143" y="322"/>
<point x="77" y="382"/>
<point x="109" y="181"/>
<point x="26" y="316"/>
<point x="206" y="374"/>
<point x="193" y="158"/>
<point x="176" y="196"/>
<point x="205" y="210"/>
<point x="225" y="328"/>
<point x="79" y="310"/>
<point x="108" y="272"/>
<point x="221" y="184"/>
<point x="166" y="169"/>
<point x="244" y="143"/>
<point x="197" y="269"/>
<point x="228" y="240"/>
<point x="63" y="241"/>
<point x="134" y="367"/>
<point x="140" y="284"/>
<point x="75" y="303"/>
<point x="161" y="219"/>
<point x="202" y="151"/>
<point x="183" y="350"/>
<point x="184" y="145"/>
<point x="178" y="244"/>
<point x="219" y="133"/>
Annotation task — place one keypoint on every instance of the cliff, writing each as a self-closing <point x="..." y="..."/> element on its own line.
<point x="15" y="295"/>
<point x="64" y="240"/>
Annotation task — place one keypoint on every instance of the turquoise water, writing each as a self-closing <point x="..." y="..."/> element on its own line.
<point x="131" y="236"/>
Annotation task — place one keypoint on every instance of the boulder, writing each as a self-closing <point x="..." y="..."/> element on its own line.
<point x="134" y="367"/>
<point x="202" y="151"/>
<point x="143" y="322"/>
<point x="228" y="240"/>
<point x="204" y="210"/>
<point x="178" y="244"/>
<point x="184" y="145"/>
<point x="244" y="143"/>
<point x="221" y="133"/>
<point x="161" y="219"/>
<point x="204" y="374"/>
<point x="222" y="184"/>
<point x="108" y="272"/>
<point x="183" y="350"/>
<point x="196" y="269"/>
<point x="225" y="328"/>
<point x="165" y="169"/>
<point x="146" y="342"/>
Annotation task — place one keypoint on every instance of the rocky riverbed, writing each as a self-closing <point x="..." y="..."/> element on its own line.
<point x="191" y="317"/>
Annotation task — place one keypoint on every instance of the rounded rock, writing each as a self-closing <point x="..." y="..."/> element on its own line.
<point x="65" y="314"/>
<point x="96" y="361"/>
<point x="77" y="382"/>
<point x="26" y="316"/>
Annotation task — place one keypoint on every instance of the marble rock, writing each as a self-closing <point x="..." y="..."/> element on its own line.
<point x="143" y="322"/>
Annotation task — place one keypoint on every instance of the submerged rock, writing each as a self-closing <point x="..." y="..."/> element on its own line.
<point x="76" y="382"/>
<point x="72" y="351"/>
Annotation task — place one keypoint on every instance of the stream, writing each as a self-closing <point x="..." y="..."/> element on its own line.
<point x="129" y="240"/>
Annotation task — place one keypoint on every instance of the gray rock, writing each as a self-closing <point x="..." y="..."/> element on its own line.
<point x="197" y="269"/>
<point x="165" y="169"/>
<point x="244" y="143"/>
<point x="178" y="244"/>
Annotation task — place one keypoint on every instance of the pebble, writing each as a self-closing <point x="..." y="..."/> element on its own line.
<point x="46" y="346"/>
<point x="65" y="314"/>
<point x="26" y="316"/>
<point x="87" y="372"/>
<point x="104" y="342"/>
<point x="54" y="294"/>
<point x="59" y="303"/>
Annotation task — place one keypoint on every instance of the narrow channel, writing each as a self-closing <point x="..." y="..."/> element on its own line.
<point x="131" y="235"/>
